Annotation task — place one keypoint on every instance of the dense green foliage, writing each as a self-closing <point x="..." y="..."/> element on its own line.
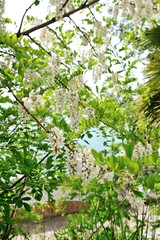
<point x="66" y="78"/>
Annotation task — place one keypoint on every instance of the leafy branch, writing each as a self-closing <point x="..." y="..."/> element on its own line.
<point x="24" y="176"/>
<point x="26" y="109"/>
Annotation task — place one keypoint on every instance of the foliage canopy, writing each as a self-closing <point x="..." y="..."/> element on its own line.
<point x="65" y="78"/>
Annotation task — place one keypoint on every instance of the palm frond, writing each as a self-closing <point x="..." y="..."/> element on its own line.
<point x="151" y="108"/>
<point x="149" y="103"/>
<point x="151" y="38"/>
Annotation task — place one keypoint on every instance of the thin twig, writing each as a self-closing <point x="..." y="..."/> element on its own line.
<point x="64" y="4"/>
<point x="10" y="54"/>
<point x="84" y="35"/>
<point x="52" y="30"/>
<point x="61" y="83"/>
<point x="12" y="122"/>
<point x="39" y="45"/>
<point x="92" y="14"/>
<point x="19" y="30"/>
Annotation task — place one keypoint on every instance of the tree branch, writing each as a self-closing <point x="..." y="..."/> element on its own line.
<point x="26" y="109"/>
<point x="92" y="14"/>
<point x="64" y="4"/>
<point x="39" y="45"/>
<point x="53" y="20"/>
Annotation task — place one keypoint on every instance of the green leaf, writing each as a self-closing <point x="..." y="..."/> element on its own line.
<point x="37" y="2"/>
<point x="155" y="156"/>
<point x="98" y="40"/>
<point x="95" y="153"/>
<point x="26" y="198"/>
<point x="38" y="196"/>
<point x="14" y="39"/>
<point x="139" y="194"/>
<point x="91" y="63"/>
<point x="158" y="162"/>
<point x="18" y="55"/>
<point x="17" y="155"/>
<point x="7" y="38"/>
<point x="8" y="220"/>
<point x="27" y="207"/>
<point x="19" y="203"/>
<point x="129" y="149"/>
<point x="49" y="162"/>
<point x="7" y="20"/>
<point x="136" y="168"/>
<point x="157" y="187"/>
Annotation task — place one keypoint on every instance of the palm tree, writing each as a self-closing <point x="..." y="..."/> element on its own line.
<point x="150" y="101"/>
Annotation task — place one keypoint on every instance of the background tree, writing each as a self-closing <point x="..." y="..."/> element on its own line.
<point x="151" y="103"/>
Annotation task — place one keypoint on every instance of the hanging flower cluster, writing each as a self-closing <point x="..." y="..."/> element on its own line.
<point x="30" y="75"/>
<point x="115" y="82"/>
<point x="136" y="203"/>
<point x="140" y="150"/>
<point x="22" y="113"/>
<point x="53" y="68"/>
<point x="86" y="54"/>
<point x="33" y="101"/>
<point x="70" y="98"/>
<point x="60" y="95"/>
<point x="80" y="162"/>
<point x="105" y="175"/>
<point x="126" y="179"/>
<point x="74" y="162"/>
<point x="57" y="6"/>
<point x="2" y="9"/>
<point x="90" y="169"/>
<point x="136" y="8"/>
<point x="56" y="138"/>
<point x="97" y="73"/>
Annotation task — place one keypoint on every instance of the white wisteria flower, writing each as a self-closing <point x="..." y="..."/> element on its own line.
<point x="56" y="138"/>
<point x="86" y="54"/>
<point x="74" y="161"/>
<point x="33" y="101"/>
<point x="2" y="9"/>
<point x="30" y="75"/>
<point x="60" y="95"/>
<point x="107" y="176"/>
<point x="135" y="202"/>
<point x="141" y="150"/>
<point x="22" y="113"/>
<point x="90" y="112"/>
<point x="97" y="73"/>
<point x="53" y="68"/>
